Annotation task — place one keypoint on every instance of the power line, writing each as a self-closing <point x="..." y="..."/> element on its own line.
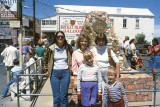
<point x="59" y="7"/>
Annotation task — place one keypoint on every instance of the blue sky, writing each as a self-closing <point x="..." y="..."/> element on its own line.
<point x="43" y="11"/>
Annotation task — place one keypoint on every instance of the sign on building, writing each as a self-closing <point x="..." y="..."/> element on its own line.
<point x="8" y="9"/>
<point x="71" y="26"/>
<point x="15" y="24"/>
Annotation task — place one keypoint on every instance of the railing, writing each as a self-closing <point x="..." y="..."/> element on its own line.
<point x="33" y="77"/>
<point x="39" y="76"/>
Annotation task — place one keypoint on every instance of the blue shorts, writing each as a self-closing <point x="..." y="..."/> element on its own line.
<point x="153" y="62"/>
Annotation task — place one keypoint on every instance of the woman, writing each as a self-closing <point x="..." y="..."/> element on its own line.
<point x="58" y="65"/>
<point x="155" y="56"/>
<point x="132" y="49"/>
<point x="101" y="58"/>
<point x="82" y="44"/>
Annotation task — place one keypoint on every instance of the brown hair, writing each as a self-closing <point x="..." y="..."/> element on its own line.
<point x="82" y="36"/>
<point x="101" y="36"/>
<point x="54" y="39"/>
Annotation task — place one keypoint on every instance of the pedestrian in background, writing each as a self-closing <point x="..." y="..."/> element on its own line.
<point x="40" y="52"/>
<point x="14" y="71"/>
<point x="73" y="45"/>
<point x="126" y="46"/>
<point x="155" y="57"/>
<point x="44" y="40"/>
<point x="58" y="65"/>
<point x="88" y="81"/>
<point x="9" y="53"/>
<point x="132" y="53"/>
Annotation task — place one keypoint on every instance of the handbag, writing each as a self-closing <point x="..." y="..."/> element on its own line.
<point x="111" y="61"/>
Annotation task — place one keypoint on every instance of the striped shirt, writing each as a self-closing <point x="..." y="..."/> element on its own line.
<point x="89" y="73"/>
<point x="114" y="93"/>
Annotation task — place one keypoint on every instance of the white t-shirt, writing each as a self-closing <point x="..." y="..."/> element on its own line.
<point x="132" y="46"/>
<point x="101" y="56"/>
<point x="126" y="44"/>
<point x="10" y="53"/>
<point x="31" y="61"/>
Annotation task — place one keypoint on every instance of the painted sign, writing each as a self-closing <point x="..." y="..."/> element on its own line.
<point x="71" y="26"/>
<point x="14" y="24"/>
<point x="8" y="9"/>
<point x="8" y="33"/>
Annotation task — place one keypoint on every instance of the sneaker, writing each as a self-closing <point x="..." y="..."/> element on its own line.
<point x="2" y="97"/>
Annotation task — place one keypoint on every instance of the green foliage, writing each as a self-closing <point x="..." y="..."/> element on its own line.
<point x="140" y="38"/>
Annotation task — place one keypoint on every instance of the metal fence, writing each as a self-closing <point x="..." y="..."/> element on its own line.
<point x="34" y="76"/>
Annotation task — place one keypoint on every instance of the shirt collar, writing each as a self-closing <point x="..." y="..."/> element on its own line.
<point x="59" y="48"/>
<point x="112" y="84"/>
<point x="81" y="51"/>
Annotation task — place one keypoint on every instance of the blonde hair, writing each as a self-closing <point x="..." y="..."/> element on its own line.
<point x="81" y="37"/>
<point x="87" y="54"/>
<point x="112" y="70"/>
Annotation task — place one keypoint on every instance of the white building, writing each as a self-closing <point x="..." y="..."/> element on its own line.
<point x="126" y="21"/>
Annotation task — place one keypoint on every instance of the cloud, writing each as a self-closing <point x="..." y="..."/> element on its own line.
<point x="157" y="31"/>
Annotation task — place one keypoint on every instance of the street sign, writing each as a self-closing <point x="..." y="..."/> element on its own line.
<point x="15" y="24"/>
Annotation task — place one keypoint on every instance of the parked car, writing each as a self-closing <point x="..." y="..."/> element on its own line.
<point x="143" y="48"/>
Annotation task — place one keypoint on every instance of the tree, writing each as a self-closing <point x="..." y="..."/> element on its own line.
<point x="140" y="38"/>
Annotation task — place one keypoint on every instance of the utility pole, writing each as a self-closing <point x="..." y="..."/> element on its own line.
<point x="20" y="35"/>
<point x="34" y="23"/>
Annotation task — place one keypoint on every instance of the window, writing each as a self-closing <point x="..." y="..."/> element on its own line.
<point x="137" y="23"/>
<point x="112" y="22"/>
<point x="52" y="22"/>
<point x="47" y="22"/>
<point x="124" y="23"/>
<point x="43" y="22"/>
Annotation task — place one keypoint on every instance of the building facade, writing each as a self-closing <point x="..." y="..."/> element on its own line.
<point x="126" y="21"/>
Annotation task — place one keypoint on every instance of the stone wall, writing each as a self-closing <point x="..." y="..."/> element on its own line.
<point x="131" y="82"/>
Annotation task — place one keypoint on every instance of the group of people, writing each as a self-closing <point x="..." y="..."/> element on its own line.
<point x="90" y="68"/>
<point x="135" y="58"/>
<point x="11" y="59"/>
<point x="93" y="74"/>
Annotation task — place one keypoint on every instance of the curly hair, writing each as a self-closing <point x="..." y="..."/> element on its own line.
<point x="82" y="36"/>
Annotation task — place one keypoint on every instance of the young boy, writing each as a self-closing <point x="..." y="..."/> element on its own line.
<point x="14" y="71"/>
<point x="114" y="91"/>
<point x="139" y="62"/>
<point x="88" y="81"/>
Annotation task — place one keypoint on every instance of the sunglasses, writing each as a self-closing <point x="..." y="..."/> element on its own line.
<point x="58" y="36"/>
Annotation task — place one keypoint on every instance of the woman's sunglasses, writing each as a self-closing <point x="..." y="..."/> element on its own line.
<point x="62" y="36"/>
